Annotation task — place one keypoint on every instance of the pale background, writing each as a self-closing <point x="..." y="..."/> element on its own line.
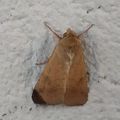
<point x="24" y="39"/>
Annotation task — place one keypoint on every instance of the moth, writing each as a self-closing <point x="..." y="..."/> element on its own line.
<point x="64" y="79"/>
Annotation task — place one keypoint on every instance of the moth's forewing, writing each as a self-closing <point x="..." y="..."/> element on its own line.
<point x="77" y="84"/>
<point x="50" y="85"/>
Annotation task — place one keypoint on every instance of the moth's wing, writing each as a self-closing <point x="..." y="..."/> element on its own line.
<point x="50" y="85"/>
<point x="77" y="83"/>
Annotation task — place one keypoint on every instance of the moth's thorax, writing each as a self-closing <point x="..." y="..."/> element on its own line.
<point x="70" y="39"/>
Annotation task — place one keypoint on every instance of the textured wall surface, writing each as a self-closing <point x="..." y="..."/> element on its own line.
<point x="24" y="40"/>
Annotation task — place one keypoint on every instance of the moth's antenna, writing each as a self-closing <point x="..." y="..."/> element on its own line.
<point x="46" y="24"/>
<point x="86" y="30"/>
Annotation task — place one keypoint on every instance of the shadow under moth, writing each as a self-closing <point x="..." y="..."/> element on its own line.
<point x="65" y="76"/>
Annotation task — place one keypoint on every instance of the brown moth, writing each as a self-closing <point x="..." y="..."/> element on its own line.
<point x="65" y="76"/>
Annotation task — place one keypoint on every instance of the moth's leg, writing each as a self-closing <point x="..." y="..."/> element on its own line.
<point x="93" y="64"/>
<point x="86" y="47"/>
<point x="91" y="60"/>
<point x="88" y="52"/>
<point x="86" y="30"/>
<point x="53" y="31"/>
<point x="42" y="63"/>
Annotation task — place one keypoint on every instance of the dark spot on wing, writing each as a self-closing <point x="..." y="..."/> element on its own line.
<point x="37" y="99"/>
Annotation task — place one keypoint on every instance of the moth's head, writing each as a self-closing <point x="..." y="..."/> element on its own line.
<point x="69" y="33"/>
<point x="70" y="38"/>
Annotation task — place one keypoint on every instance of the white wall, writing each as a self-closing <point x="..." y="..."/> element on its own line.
<point x="24" y="39"/>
